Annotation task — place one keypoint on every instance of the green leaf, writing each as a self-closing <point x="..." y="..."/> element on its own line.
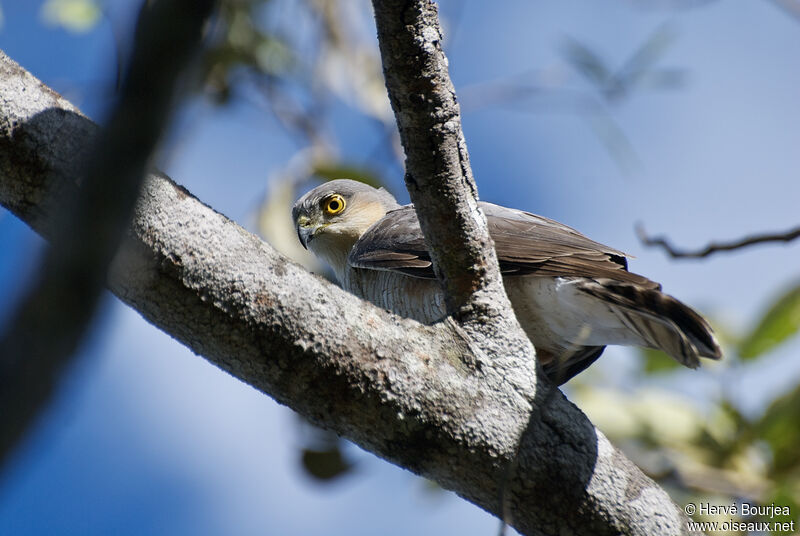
<point x="781" y="321"/>
<point x="78" y="16"/>
<point x="657" y="361"/>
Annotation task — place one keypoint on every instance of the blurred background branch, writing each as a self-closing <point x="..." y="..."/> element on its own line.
<point x="73" y="271"/>
<point x="606" y="85"/>
<point x="791" y="7"/>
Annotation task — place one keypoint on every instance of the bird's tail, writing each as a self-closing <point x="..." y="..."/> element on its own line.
<point x="661" y="321"/>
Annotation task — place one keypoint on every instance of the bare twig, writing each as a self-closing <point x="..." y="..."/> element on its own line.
<point x="713" y="247"/>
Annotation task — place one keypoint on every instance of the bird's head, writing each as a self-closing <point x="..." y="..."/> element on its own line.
<point x="330" y="218"/>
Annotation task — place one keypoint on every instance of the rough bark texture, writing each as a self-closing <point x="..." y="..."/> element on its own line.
<point x="438" y="174"/>
<point x="419" y="396"/>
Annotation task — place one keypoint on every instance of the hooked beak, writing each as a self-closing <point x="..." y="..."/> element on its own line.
<point x="305" y="230"/>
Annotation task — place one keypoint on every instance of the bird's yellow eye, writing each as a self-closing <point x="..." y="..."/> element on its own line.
<point x="334" y="204"/>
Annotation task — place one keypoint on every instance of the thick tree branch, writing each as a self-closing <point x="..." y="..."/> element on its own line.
<point x="419" y="396"/>
<point x="714" y="247"/>
<point x="90" y="225"/>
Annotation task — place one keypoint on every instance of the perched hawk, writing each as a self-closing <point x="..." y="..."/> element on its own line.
<point x="571" y="295"/>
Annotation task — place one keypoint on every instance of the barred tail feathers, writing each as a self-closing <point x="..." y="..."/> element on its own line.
<point x="661" y="321"/>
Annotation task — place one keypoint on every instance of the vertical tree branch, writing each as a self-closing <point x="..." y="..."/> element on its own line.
<point x="439" y="179"/>
<point x="37" y="344"/>
<point x="438" y="173"/>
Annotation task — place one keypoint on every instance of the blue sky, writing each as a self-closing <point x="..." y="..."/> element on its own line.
<point x="146" y="438"/>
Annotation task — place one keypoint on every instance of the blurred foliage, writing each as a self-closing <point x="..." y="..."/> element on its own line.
<point x="241" y="43"/>
<point x="639" y="71"/>
<point x="333" y="170"/>
<point x="780" y="322"/>
<point x="657" y="361"/>
<point x="323" y="455"/>
<point x="603" y="85"/>
<point x="294" y="58"/>
<point x="325" y="465"/>
<point x="78" y="16"/>
<point x="614" y="85"/>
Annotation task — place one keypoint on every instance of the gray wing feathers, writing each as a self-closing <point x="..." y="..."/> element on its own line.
<point x="526" y="244"/>
<point x="394" y="243"/>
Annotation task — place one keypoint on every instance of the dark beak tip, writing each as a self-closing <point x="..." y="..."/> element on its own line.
<point x="303" y="238"/>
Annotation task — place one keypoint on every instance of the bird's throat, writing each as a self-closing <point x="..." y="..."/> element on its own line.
<point x="334" y="249"/>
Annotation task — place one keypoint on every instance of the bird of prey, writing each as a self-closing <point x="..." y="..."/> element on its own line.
<point x="571" y="295"/>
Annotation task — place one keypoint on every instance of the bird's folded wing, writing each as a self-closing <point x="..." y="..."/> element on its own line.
<point x="526" y="244"/>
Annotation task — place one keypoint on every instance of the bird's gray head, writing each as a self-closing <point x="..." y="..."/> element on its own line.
<point x="336" y="214"/>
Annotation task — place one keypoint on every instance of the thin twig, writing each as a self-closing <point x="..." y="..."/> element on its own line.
<point x="714" y="247"/>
